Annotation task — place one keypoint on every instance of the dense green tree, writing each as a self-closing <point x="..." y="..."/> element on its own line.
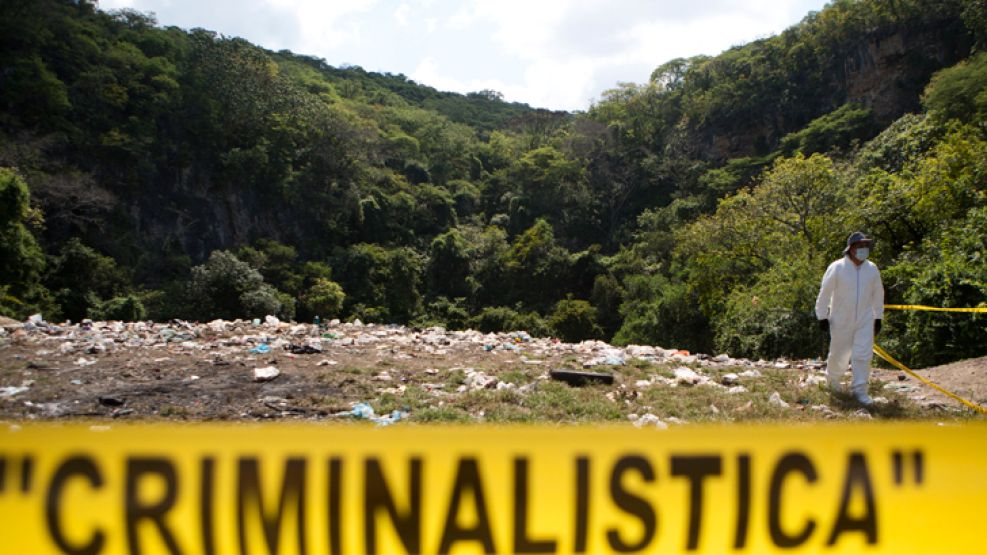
<point x="694" y="210"/>
<point x="381" y="284"/>
<point x="21" y="259"/>
<point x="574" y="320"/>
<point x="536" y="267"/>
<point x="838" y="129"/>
<point x="81" y="278"/>
<point x="448" y="267"/>
<point x="324" y="299"/>
<point x="499" y="318"/>
<point x="960" y="92"/>
<point x="946" y="270"/>
<point x="773" y="240"/>
<point x="226" y="287"/>
<point x="128" y="308"/>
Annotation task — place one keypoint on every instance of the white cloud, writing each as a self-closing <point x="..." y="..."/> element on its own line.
<point x="401" y="15"/>
<point x="548" y="53"/>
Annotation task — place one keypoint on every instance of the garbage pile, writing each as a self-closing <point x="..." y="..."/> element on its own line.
<point x="275" y="361"/>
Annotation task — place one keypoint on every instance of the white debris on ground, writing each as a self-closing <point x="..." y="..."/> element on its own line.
<point x="266" y="374"/>
<point x="257" y="340"/>
<point x="776" y="400"/>
<point x="647" y="420"/>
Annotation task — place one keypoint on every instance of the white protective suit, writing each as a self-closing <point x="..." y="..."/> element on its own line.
<point x="851" y="297"/>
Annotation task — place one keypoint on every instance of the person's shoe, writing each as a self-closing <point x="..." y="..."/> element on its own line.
<point x="863" y="398"/>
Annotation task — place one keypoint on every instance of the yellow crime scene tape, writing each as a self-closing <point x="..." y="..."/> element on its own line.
<point x="891" y="360"/>
<point x="932" y="308"/>
<point x="290" y="489"/>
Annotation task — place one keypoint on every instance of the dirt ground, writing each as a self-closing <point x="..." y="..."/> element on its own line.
<point x="966" y="378"/>
<point x="209" y="374"/>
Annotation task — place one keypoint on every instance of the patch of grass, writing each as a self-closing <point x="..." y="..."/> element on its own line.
<point x="456" y="377"/>
<point x="174" y="411"/>
<point x="638" y="369"/>
<point x="557" y="402"/>
<point x="518" y="377"/>
<point x="414" y="399"/>
<point x="441" y="415"/>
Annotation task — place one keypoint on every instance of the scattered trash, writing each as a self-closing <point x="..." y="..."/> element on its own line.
<point x="10" y="391"/>
<point x="686" y="376"/>
<point x="576" y="378"/>
<point x="776" y="399"/>
<point x="900" y="387"/>
<point x="266" y="374"/>
<point x="476" y="381"/>
<point x="108" y="401"/>
<point x="609" y="359"/>
<point x="812" y="379"/>
<point x="177" y="348"/>
<point x="364" y="411"/>
<point x="647" y="420"/>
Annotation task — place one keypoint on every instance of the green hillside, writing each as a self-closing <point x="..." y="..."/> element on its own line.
<point x="151" y="172"/>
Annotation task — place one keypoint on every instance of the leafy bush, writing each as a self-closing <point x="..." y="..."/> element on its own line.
<point x="450" y="314"/>
<point x="82" y="279"/>
<point x="837" y="129"/>
<point x="948" y="271"/>
<point x="960" y="92"/>
<point x="21" y="259"/>
<point x="774" y="316"/>
<point x="382" y="284"/>
<point x="657" y="312"/>
<point x="325" y="298"/>
<point x="127" y="309"/>
<point x="574" y="320"/>
<point x="501" y="318"/>
<point x="225" y="287"/>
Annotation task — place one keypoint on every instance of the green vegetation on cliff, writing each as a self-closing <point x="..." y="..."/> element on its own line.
<point x="156" y="172"/>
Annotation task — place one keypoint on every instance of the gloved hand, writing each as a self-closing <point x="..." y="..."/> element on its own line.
<point x="824" y="325"/>
<point x="877" y="326"/>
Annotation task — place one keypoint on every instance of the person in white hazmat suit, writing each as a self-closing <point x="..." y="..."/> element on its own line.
<point x="851" y="306"/>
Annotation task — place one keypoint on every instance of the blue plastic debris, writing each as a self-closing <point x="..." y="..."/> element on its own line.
<point x="366" y="412"/>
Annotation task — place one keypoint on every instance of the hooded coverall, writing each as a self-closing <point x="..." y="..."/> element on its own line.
<point x="851" y="297"/>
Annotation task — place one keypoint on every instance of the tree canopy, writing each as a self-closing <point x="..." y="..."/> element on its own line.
<point x="150" y="171"/>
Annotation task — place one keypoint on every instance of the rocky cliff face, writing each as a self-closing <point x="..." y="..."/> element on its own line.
<point x="887" y="71"/>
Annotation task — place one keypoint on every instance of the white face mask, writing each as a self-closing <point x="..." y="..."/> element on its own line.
<point x="862" y="253"/>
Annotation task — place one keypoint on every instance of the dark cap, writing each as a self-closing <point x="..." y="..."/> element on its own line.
<point x="857" y="237"/>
